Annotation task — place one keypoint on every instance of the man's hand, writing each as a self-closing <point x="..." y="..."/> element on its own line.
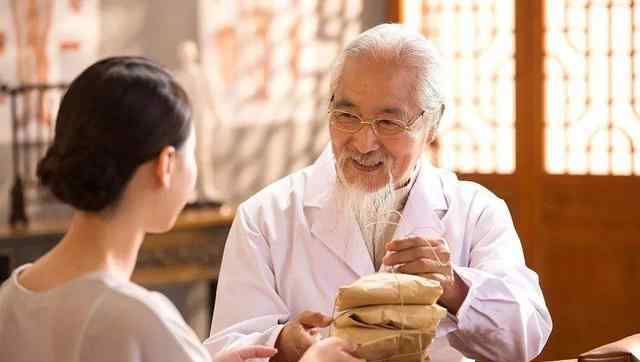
<point x="298" y="335"/>
<point x="331" y="350"/>
<point x="242" y="354"/>
<point x="429" y="258"/>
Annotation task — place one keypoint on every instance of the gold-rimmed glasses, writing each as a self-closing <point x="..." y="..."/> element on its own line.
<point x="350" y="122"/>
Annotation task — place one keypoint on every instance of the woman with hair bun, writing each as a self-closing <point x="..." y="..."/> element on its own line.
<point x="123" y="158"/>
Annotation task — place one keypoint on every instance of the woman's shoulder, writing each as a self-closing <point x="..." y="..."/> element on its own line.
<point x="127" y="302"/>
<point x="129" y="315"/>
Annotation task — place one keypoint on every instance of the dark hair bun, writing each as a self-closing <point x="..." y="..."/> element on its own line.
<point x="85" y="180"/>
<point x="119" y="113"/>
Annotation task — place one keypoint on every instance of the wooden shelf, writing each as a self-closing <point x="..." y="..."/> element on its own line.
<point x="191" y="251"/>
<point x="188" y="219"/>
<point x="151" y="277"/>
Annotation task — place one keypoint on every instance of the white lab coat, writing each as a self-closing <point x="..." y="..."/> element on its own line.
<point x="290" y="249"/>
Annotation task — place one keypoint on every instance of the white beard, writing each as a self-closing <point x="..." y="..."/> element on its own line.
<point x="372" y="209"/>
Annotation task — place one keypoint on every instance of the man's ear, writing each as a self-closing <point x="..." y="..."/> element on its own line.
<point x="165" y="165"/>
<point x="435" y="123"/>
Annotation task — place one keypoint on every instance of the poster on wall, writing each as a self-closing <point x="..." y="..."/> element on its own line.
<point x="269" y="61"/>
<point x="43" y="42"/>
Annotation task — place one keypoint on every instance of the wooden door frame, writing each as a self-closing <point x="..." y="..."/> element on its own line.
<point x="529" y="126"/>
<point x="582" y="224"/>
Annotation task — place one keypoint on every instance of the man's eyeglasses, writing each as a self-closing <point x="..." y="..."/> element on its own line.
<point x="382" y="127"/>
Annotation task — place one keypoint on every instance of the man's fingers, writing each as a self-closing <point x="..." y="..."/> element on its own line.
<point x="402" y="244"/>
<point x="438" y="277"/>
<point x="248" y="352"/>
<point x="313" y="319"/>
<point x="423" y="266"/>
<point x="408" y="255"/>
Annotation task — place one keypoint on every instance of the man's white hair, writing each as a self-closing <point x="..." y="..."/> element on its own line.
<point x="398" y="45"/>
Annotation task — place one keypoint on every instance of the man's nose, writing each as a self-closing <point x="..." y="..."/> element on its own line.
<point x="365" y="140"/>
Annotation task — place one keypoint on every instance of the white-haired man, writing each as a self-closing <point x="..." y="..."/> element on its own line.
<point x="371" y="202"/>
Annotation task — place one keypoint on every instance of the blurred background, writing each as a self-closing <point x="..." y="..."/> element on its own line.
<point x="543" y="109"/>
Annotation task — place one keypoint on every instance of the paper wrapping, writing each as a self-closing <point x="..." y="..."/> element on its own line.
<point x="422" y="317"/>
<point x="387" y="345"/>
<point x="388" y="288"/>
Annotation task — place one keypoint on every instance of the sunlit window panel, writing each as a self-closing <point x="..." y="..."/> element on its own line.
<point x="592" y="89"/>
<point x="476" y="39"/>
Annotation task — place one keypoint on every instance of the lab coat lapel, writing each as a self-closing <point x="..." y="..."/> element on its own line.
<point x="427" y="194"/>
<point x="336" y="229"/>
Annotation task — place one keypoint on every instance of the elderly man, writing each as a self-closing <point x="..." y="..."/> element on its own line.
<point x="371" y="202"/>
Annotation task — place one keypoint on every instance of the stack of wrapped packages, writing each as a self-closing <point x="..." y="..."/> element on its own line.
<point x="389" y="316"/>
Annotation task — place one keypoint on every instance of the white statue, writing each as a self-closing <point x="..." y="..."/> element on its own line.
<point x="194" y="81"/>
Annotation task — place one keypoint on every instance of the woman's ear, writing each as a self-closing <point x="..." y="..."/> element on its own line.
<point x="165" y="165"/>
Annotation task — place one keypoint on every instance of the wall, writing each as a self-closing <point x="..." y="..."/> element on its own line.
<point x="152" y="28"/>
<point x="246" y="158"/>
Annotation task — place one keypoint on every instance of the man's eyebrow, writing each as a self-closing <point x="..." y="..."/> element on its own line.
<point x="394" y="111"/>
<point x="344" y="103"/>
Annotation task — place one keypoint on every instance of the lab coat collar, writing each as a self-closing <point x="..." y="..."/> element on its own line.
<point x="321" y="179"/>
<point x="339" y="231"/>
<point x="419" y="217"/>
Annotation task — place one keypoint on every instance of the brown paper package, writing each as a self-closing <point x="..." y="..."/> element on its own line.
<point x="385" y="344"/>
<point x="423" y="317"/>
<point x="391" y="317"/>
<point x="386" y="288"/>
